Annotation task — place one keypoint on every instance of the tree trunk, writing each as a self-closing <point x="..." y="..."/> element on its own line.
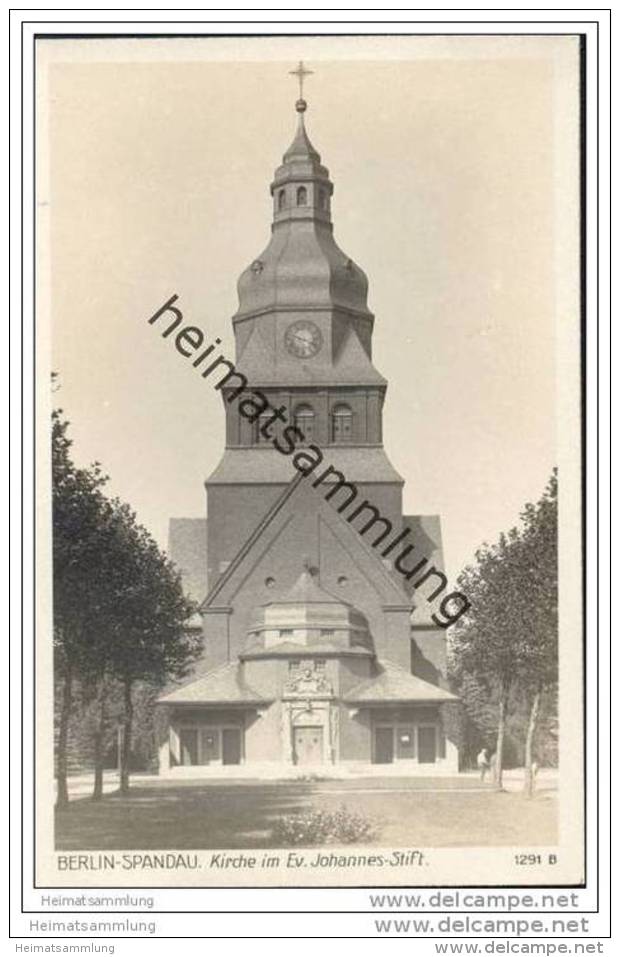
<point x="528" y="783"/>
<point x="62" y="797"/>
<point x="127" y="730"/>
<point x="498" y="768"/>
<point x="99" y="743"/>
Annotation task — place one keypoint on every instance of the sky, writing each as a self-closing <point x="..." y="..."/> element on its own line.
<point x="452" y="160"/>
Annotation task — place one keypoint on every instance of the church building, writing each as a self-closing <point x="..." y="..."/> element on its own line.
<point x="319" y="651"/>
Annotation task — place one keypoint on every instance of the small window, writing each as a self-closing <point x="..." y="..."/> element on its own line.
<point x="343" y="580"/>
<point x="327" y="632"/>
<point x="304" y="421"/>
<point x="281" y="199"/>
<point x="319" y="664"/>
<point x="261" y="422"/>
<point x="270" y="582"/>
<point x="302" y="196"/>
<point x="286" y="632"/>
<point x="342" y="424"/>
<point x="294" y="664"/>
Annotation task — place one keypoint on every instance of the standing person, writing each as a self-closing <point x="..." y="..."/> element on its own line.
<point x="483" y="763"/>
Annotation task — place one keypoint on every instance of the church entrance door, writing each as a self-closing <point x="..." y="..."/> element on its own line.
<point x="308" y="745"/>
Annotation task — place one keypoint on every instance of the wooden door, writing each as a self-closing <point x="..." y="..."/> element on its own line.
<point x="427" y="745"/>
<point x="308" y="743"/>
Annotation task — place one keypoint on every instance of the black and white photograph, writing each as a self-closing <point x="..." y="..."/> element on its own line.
<point x="305" y="546"/>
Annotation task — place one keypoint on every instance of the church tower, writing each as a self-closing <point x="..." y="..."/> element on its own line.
<point x="317" y="649"/>
<point x="303" y="336"/>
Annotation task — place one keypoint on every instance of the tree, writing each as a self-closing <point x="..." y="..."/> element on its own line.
<point x="486" y="643"/>
<point x="150" y="642"/>
<point x="506" y="644"/>
<point x="540" y="540"/>
<point x="78" y="506"/>
<point x="119" y="608"/>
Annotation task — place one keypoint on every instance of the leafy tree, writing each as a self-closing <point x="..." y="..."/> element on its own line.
<point x="540" y="537"/>
<point x="77" y="509"/>
<point x="119" y="610"/>
<point x="506" y="644"/>
<point x="150" y="642"/>
<point x="486" y="641"/>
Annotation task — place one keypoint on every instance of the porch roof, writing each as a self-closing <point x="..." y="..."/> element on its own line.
<point x="392" y="685"/>
<point x="224" y="686"/>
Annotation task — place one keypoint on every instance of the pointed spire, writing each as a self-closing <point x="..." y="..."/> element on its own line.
<point x="301" y="188"/>
<point x="301" y="148"/>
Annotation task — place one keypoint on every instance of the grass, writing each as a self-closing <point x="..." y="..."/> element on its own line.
<point x="191" y="815"/>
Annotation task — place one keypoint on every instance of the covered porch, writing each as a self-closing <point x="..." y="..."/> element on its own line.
<point x="404" y="722"/>
<point x="203" y="724"/>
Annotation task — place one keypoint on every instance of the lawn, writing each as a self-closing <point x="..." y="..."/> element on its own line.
<point x="191" y="815"/>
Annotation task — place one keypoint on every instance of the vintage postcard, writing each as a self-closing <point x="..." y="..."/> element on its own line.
<point x="309" y="444"/>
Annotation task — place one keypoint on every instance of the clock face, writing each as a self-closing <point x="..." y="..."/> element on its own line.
<point x="303" y="339"/>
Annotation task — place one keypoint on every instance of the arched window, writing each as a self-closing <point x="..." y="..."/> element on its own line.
<point x="304" y="421"/>
<point x="281" y="199"/>
<point x="342" y="424"/>
<point x="302" y="196"/>
<point x="262" y="420"/>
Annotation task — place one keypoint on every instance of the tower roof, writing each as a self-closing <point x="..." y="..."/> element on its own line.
<point x="301" y="148"/>
<point x="302" y="266"/>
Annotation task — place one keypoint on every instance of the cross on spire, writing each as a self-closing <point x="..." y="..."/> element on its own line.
<point x="301" y="73"/>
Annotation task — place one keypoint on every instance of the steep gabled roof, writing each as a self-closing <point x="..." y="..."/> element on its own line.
<point x="249" y="542"/>
<point x="282" y="511"/>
